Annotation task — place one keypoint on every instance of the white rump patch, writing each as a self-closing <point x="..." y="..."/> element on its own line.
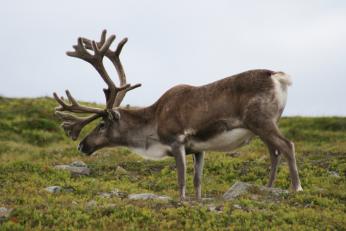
<point x="281" y="81"/>
<point x="226" y="141"/>
<point x="283" y="78"/>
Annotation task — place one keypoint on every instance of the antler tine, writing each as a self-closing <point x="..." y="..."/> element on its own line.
<point x="120" y="46"/>
<point x="80" y="52"/>
<point x="74" y="106"/>
<point x="113" y="56"/>
<point x="73" y="125"/>
<point x="88" y="42"/>
<point x="100" y="51"/>
<point x="96" y="60"/>
<point x="107" y="44"/>
<point x="131" y="87"/>
<point x="115" y="59"/>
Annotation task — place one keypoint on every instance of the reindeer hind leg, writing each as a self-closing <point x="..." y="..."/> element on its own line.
<point x="270" y="134"/>
<point x="274" y="161"/>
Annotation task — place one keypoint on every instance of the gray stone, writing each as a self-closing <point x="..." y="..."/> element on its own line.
<point x="120" y="171"/>
<point x="214" y="208"/>
<point x="334" y="174"/>
<point x="242" y="188"/>
<point x="236" y="206"/>
<point x="148" y="196"/>
<point x="78" y="163"/>
<point x="68" y="189"/>
<point x="114" y="193"/>
<point x="58" y="189"/>
<point x="4" y="213"/>
<point x="233" y="154"/>
<point x="91" y="204"/>
<point x="74" y="170"/>
<point x="211" y="208"/>
<point x="53" y="189"/>
<point x="105" y="195"/>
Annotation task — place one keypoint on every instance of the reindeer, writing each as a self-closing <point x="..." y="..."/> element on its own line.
<point x="220" y="116"/>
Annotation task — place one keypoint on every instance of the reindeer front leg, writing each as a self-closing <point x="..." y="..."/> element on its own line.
<point x="198" y="170"/>
<point x="178" y="151"/>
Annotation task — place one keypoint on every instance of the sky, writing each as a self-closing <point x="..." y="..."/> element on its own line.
<point x="173" y="42"/>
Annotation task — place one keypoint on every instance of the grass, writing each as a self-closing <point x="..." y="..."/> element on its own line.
<point x="31" y="143"/>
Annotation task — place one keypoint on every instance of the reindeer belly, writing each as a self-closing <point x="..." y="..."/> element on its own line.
<point x="225" y="141"/>
<point x="155" y="151"/>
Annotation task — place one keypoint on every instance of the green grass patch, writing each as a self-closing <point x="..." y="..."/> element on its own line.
<point x="31" y="143"/>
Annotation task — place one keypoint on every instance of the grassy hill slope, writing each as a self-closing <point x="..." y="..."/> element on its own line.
<point x="31" y="143"/>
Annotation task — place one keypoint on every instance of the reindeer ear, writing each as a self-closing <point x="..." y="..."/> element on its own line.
<point x="113" y="114"/>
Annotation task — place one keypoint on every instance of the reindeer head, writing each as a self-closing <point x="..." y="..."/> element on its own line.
<point x="107" y="132"/>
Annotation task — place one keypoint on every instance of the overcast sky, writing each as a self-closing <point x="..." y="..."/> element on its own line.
<point x="193" y="42"/>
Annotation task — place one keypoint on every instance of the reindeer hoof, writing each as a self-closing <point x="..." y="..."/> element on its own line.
<point x="297" y="189"/>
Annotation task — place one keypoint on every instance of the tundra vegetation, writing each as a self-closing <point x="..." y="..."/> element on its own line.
<point x="32" y="143"/>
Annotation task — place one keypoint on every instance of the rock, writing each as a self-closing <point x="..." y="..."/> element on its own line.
<point x="78" y="163"/>
<point x="211" y="208"/>
<point x="120" y="171"/>
<point x="148" y="196"/>
<point x="236" y="206"/>
<point x="76" y="168"/>
<point x="236" y="190"/>
<point x="334" y="174"/>
<point x="53" y="189"/>
<point x="91" y="204"/>
<point x="113" y="193"/>
<point x="122" y="194"/>
<point x="105" y="195"/>
<point x="233" y="154"/>
<point x="214" y="208"/>
<point x="4" y="213"/>
<point x="220" y="208"/>
<point x="57" y="189"/>
<point x="242" y="188"/>
<point x="68" y="189"/>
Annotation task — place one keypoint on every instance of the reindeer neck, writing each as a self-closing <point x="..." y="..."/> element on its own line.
<point x="139" y="126"/>
<point x="137" y="116"/>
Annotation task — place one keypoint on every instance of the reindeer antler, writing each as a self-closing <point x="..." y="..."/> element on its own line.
<point x="74" y="105"/>
<point x="73" y="125"/>
<point x="114" y="57"/>
<point x="114" y="95"/>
